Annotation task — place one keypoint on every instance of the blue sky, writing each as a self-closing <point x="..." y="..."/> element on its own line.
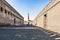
<point x="33" y="7"/>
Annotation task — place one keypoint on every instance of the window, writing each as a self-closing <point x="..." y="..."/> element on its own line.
<point x="5" y="11"/>
<point x="45" y="15"/>
<point x="11" y="14"/>
<point x="14" y="20"/>
<point x="8" y="13"/>
<point x="1" y="9"/>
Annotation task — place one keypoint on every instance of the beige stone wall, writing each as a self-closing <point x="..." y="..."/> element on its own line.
<point x="39" y="21"/>
<point x="52" y="19"/>
<point x="8" y="14"/>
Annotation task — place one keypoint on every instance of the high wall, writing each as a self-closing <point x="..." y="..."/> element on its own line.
<point x="8" y="15"/>
<point x="38" y="21"/>
<point x="49" y="17"/>
<point x="53" y="18"/>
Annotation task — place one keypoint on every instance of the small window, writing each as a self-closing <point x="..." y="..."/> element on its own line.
<point x="14" y="20"/>
<point x="45" y="15"/>
<point x="8" y="13"/>
<point x="11" y="14"/>
<point x="5" y="11"/>
<point x="1" y="9"/>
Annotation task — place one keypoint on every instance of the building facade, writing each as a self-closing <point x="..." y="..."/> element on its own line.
<point x="28" y="22"/>
<point x="49" y="17"/>
<point x="8" y="15"/>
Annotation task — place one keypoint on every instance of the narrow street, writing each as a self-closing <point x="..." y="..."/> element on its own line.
<point x="23" y="33"/>
<point x="29" y="19"/>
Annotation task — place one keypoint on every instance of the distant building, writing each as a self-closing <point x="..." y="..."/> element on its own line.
<point x="8" y="15"/>
<point x="30" y="22"/>
<point x="49" y="17"/>
<point x="25" y="22"/>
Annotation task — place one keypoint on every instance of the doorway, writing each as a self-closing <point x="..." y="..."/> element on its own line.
<point x="14" y="21"/>
<point x="45" y="20"/>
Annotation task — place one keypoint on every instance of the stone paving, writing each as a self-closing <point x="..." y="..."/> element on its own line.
<point x="19" y="33"/>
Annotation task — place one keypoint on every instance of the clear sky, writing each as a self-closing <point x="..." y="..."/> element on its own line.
<point x="33" y="7"/>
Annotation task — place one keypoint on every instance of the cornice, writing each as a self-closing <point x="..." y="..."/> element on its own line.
<point x="7" y="4"/>
<point x="44" y="11"/>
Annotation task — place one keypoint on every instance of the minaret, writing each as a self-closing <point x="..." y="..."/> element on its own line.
<point x="28" y="19"/>
<point x="28" y="16"/>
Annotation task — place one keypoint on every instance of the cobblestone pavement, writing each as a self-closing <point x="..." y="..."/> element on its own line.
<point x="26" y="33"/>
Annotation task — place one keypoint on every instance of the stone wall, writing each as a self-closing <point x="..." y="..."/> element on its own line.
<point x="49" y="17"/>
<point x="9" y="14"/>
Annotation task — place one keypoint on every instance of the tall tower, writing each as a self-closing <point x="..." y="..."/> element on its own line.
<point x="28" y="18"/>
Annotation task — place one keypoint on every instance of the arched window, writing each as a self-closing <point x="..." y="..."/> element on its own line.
<point x="14" y="20"/>
<point x="8" y="13"/>
<point x="5" y="11"/>
<point x="1" y="9"/>
<point x="11" y="14"/>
